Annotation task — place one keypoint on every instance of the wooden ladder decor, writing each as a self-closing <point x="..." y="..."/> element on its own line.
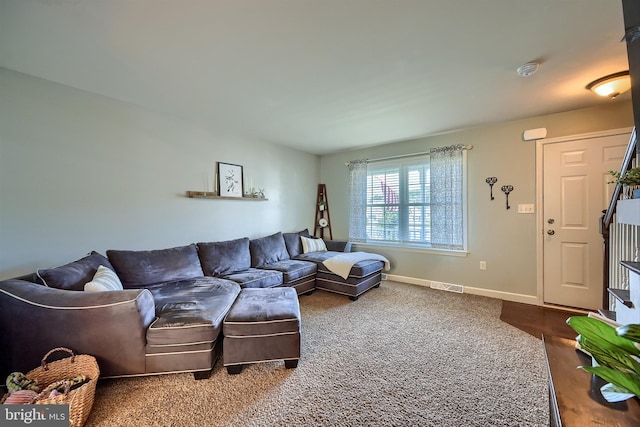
<point x="323" y="218"/>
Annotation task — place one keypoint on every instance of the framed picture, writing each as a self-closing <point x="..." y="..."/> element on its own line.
<point x="230" y="180"/>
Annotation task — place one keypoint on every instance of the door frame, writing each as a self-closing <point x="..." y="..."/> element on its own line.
<point x="540" y="143"/>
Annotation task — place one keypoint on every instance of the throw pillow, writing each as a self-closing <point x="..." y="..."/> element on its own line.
<point x="73" y="276"/>
<point x="222" y="258"/>
<point x="312" y="245"/>
<point x="104" y="280"/>
<point x="267" y="250"/>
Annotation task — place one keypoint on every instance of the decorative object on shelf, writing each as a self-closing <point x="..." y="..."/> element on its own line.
<point x="230" y="180"/>
<point x="506" y="189"/>
<point x="208" y="182"/>
<point x="323" y="218"/>
<point x="614" y="350"/>
<point x="255" y="194"/>
<point x="630" y="182"/>
<point x="491" y="180"/>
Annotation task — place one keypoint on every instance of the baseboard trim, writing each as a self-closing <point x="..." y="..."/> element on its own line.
<point x="507" y="296"/>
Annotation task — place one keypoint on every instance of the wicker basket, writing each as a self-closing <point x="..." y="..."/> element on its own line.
<point x="80" y="400"/>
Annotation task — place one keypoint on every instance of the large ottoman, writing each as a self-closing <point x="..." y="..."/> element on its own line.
<point x="263" y="325"/>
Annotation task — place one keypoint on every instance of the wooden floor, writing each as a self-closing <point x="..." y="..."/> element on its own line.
<point x="537" y="320"/>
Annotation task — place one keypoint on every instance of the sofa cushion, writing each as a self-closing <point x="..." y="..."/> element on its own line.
<point x="293" y="270"/>
<point x="228" y="257"/>
<point x="104" y="280"/>
<point x="360" y="269"/>
<point x="74" y="275"/>
<point x="255" y="278"/>
<point x="263" y="312"/>
<point x="138" y="269"/>
<point x="189" y="312"/>
<point x="267" y="250"/>
<point x="312" y="245"/>
<point x="317" y="257"/>
<point x="292" y="242"/>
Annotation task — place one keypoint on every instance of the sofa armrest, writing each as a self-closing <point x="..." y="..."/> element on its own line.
<point x="338" y="245"/>
<point x="111" y="326"/>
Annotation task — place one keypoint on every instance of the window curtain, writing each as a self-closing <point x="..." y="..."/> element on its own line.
<point x="447" y="179"/>
<point x="358" y="196"/>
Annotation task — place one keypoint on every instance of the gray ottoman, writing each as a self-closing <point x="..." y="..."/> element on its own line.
<point x="263" y="325"/>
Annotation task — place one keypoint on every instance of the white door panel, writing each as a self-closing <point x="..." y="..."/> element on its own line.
<point x="575" y="192"/>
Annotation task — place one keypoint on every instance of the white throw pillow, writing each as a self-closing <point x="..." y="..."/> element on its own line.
<point x="104" y="280"/>
<point x="312" y="245"/>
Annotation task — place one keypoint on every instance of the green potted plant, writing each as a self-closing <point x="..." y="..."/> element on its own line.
<point x="615" y="353"/>
<point x="630" y="182"/>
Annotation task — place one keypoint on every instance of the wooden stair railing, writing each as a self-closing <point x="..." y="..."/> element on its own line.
<point x="630" y="156"/>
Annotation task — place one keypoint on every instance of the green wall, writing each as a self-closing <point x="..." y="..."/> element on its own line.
<point x="504" y="239"/>
<point x="82" y="172"/>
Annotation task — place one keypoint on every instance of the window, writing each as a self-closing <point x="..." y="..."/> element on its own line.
<point x="410" y="201"/>
<point x="398" y="201"/>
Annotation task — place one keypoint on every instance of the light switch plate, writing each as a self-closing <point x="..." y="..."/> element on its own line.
<point x="526" y="209"/>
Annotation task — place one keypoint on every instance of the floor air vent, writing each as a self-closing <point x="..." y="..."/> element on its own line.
<point x="447" y="287"/>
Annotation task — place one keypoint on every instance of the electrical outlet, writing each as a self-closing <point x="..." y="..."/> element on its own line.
<point x="483" y="265"/>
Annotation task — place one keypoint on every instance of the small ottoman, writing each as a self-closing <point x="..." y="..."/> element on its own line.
<point x="263" y="325"/>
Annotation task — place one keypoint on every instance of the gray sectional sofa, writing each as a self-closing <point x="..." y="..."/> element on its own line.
<point x="169" y="316"/>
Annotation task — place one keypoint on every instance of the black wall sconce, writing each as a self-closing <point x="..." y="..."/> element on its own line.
<point x="491" y="180"/>
<point x="506" y="189"/>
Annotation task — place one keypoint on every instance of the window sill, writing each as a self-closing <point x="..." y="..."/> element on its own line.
<point x="418" y="249"/>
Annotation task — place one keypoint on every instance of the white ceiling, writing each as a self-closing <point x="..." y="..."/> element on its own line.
<point x="322" y="75"/>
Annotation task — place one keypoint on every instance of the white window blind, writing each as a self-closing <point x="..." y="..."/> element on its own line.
<point x="398" y="201"/>
<point x="403" y="207"/>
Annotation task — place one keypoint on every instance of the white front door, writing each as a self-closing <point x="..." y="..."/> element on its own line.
<point x="575" y="192"/>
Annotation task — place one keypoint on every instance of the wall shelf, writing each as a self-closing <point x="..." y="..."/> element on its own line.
<point x="212" y="195"/>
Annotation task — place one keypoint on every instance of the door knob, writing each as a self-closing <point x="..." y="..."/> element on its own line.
<point x="551" y="220"/>
<point x="551" y="232"/>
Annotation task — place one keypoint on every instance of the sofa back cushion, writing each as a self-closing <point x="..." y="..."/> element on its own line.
<point x="222" y="258"/>
<point x="267" y="250"/>
<point x="138" y="269"/>
<point x="74" y="275"/>
<point x="292" y="242"/>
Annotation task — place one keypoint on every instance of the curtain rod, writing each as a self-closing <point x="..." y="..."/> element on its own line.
<point x="466" y="147"/>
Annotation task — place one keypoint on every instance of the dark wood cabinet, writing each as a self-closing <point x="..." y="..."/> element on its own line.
<point x="574" y="395"/>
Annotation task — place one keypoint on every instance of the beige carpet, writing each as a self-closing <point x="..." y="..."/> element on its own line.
<point x="401" y="355"/>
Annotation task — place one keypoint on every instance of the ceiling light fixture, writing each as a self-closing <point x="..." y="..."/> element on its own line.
<point x="611" y="85"/>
